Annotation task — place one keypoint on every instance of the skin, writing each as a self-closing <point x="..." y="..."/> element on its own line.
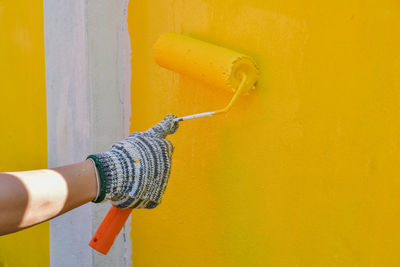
<point x="31" y="197"/>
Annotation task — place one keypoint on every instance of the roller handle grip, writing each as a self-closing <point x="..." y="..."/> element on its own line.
<point x="109" y="229"/>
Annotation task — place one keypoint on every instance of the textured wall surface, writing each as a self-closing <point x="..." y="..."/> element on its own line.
<point x="303" y="172"/>
<point x="68" y="119"/>
<point x="23" y="117"/>
<point x="88" y="108"/>
<point x="109" y="56"/>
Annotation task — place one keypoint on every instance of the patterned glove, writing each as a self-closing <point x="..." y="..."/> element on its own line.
<point x="135" y="171"/>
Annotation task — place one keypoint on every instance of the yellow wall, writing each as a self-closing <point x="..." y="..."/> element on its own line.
<point x="23" y="117"/>
<point x="305" y="171"/>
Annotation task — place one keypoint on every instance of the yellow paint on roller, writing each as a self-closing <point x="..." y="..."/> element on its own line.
<point x="214" y="65"/>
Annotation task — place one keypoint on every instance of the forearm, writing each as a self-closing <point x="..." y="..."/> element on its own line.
<point x="29" y="198"/>
<point x="134" y="174"/>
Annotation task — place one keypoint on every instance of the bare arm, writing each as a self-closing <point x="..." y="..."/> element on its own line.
<point x="31" y="197"/>
<point x="133" y="172"/>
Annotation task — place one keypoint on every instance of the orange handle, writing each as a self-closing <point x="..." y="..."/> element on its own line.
<point x="109" y="229"/>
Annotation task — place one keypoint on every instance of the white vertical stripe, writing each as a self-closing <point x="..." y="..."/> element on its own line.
<point x="68" y="118"/>
<point x="88" y="107"/>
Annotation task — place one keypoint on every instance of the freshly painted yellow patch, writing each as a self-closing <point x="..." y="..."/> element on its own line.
<point x="302" y="172"/>
<point x="23" y="117"/>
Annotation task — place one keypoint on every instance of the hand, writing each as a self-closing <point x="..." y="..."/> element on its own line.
<point x="135" y="171"/>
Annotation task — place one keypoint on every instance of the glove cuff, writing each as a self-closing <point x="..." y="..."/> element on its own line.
<point x="100" y="167"/>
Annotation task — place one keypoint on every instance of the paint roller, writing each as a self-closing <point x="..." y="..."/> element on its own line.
<point x="211" y="64"/>
<point x="214" y="65"/>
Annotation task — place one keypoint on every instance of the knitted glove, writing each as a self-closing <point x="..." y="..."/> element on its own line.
<point x="135" y="171"/>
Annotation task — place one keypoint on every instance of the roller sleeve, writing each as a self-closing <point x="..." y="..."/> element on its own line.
<point x="211" y="64"/>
